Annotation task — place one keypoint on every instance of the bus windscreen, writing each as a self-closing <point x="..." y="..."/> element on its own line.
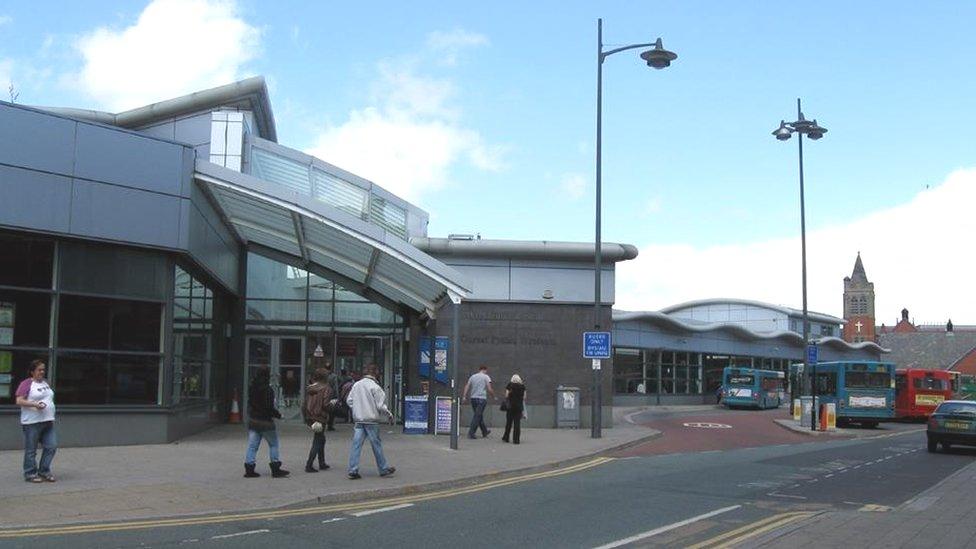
<point x="930" y="383"/>
<point x="867" y="380"/>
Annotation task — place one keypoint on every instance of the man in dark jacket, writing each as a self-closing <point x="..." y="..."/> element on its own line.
<point x="261" y="414"/>
<point x="319" y="401"/>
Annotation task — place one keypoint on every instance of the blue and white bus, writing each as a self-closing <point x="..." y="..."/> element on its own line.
<point x="862" y="392"/>
<point x="748" y="387"/>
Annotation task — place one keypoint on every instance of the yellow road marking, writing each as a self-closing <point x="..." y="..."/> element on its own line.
<point x="258" y="515"/>
<point x="742" y="533"/>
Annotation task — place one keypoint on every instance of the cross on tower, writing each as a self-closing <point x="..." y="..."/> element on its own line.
<point x="858" y="326"/>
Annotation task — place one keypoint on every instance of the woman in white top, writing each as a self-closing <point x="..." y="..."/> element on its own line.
<point x="36" y="400"/>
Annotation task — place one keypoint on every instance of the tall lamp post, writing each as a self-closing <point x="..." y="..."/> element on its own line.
<point x="814" y="131"/>
<point x="658" y="58"/>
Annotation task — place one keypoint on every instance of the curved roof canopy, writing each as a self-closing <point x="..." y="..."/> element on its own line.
<point x="788" y="311"/>
<point x="358" y="255"/>
<point x="663" y="320"/>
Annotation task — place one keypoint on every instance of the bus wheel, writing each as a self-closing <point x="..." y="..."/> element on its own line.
<point x="933" y="445"/>
<point x="842" y="422"/>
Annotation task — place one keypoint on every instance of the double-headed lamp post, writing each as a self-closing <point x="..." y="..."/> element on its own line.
<point x="657" y="58"/>
<point x="814" y="131"/>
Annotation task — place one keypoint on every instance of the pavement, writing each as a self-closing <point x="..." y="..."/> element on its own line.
<point x="852" y="432"/>
<point x="202" y="474"/>
<point x="942" y="516"/>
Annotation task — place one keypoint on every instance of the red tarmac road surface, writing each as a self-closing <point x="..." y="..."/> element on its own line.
<point x="749" y="428"/>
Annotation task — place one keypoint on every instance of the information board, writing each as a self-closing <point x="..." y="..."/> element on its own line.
<point x="442" y="424"/>
<point x="415" y="414"/>
<point x="596" y="345"/>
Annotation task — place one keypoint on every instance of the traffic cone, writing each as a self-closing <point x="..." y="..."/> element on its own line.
<point x="235" y="410"/>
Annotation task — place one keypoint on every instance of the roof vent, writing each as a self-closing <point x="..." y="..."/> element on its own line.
<point x="460" y="237"/>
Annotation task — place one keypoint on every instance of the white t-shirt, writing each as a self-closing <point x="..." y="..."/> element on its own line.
<point x="478" y="385"/>
<point x="36" y="391"/>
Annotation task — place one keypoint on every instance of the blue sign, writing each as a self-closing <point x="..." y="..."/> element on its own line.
<point x="813" y="354"/>
<point x="596" y="344"/>
<point x="441" y="344"/>
<point x="415" y="415"/>
<point x="425" y="358"/>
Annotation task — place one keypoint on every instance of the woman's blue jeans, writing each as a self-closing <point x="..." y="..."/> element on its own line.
<point x="44" y="434"/>
<point x="254" y="441"/>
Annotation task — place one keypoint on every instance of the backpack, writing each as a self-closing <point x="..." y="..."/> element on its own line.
<point x="344" y="392"/>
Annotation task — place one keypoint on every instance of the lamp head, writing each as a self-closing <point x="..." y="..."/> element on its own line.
<point x="816" y="131"/>
<point x="782" y="132"/>
<point x="658" y="58"/>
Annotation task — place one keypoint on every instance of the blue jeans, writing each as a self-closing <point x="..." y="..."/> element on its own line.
<point x="254" y="441"/>
<point x="361" y="432"/>
<point x="44" y="434"/>
<point x="478" y="419"/>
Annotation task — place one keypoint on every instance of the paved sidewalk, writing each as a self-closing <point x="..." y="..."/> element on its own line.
<point x="881" y="430"/>
<point x="943" y="516"/>
<point x="203" y="473"/>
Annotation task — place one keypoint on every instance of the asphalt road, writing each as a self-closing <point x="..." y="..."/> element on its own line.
<point x="669" y="493"/>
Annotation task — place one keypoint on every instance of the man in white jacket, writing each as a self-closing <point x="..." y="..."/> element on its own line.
<point x="367" y="401"/>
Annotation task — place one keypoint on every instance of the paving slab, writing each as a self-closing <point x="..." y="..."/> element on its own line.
<point x="881" y="430"/>
<point x="202" y="474"/>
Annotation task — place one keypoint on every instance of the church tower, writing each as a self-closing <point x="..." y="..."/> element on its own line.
<point x="858" y="305"/>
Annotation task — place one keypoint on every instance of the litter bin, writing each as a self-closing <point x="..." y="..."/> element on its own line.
<point x="567" y="407"/>
<point x="806" y="408"/>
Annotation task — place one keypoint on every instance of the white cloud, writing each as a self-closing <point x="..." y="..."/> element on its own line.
<point x="917" y="254"/>
<point x="410" y="136"/>
<point x="5" y="20"/>
<point x="174" y="47"/>
<point x="449" y="44"/>
<point x="573" y="185"/>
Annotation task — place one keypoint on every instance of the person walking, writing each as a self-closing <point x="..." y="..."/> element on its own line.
<point x="515" y="405"/>
<point x="479" y="385"/>
<point x="319" y="400"/>
<point x="36" y="400"/>
<point x="367" y="402"/>
<point x="261" y="414"/>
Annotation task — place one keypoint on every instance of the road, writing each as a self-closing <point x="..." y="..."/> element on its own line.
<point x="722" y="478"/>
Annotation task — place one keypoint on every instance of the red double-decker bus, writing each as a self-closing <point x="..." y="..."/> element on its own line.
<point x="918" y="392"/>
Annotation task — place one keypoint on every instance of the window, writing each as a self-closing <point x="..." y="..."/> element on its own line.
<point x="102" y="378"/>
<point x="111" y="324"/>
<point x="26" y="262"/>
<point x="25" y="318"/>
<point x="628" y="371"/>
<point x="931" y="383"/>
<point x="193" y="333"/>
<point x="827" y="383"/>
<point x="746" y="380"/>
<point x="867" y="380"/>
<point x="13" y="370"/>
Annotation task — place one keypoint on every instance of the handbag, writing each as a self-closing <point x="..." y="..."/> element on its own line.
<point x="505" y="405"/>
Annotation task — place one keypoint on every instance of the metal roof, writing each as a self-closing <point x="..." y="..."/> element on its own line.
<point x="548" y="249"/>
<point x="363" y="257"/>
<point x="662" y="319"/>
<point x="789" y="311"/>
<point x="250" y="94"/>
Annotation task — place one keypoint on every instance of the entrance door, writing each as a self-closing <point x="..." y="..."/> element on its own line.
<point x="283" y="356"/>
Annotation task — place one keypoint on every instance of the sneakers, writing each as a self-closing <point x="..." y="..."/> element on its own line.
<point x="33" y="478"/>
<point x="323" y="466"/>
<point x="488" y="432"/>
<point x="355" y="476"/>
<point x="389" y="471"/>
<point x="48" y="478"/>
<point x="310" y="469"/>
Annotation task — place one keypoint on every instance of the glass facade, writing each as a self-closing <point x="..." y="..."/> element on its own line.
<point x="667" y="372"/>
<point x="297" y="321"/>
<point x="97" y="314"/>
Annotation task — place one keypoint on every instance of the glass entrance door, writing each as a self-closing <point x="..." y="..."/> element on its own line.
<point x="283" y="356"/>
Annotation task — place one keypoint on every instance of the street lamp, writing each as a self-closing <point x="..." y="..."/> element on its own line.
<point x="814" y="131"/>
<point x="657" y="58"/>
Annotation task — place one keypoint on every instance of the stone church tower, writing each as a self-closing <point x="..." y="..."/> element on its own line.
<point x="858" y="305"/>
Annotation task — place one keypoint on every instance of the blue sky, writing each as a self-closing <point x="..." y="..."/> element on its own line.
<point x="484" y="116"/>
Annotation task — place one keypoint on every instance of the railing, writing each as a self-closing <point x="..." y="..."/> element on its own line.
<point x="309" y="176"/>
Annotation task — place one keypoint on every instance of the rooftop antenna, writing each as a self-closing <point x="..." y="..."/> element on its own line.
<point x="14" y="94"/>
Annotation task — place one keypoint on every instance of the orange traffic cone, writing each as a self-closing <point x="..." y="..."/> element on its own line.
<point x="235" y="410"/>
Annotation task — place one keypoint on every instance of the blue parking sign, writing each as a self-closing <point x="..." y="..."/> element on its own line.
<point x="596" y="344"/>
<point x="813" y="354"/>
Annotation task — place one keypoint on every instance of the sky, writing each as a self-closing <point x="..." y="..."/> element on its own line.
<point x="484" y="115"/>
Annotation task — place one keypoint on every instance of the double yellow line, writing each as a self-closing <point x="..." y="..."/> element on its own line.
<point x="320" y="509"/>
<point x="739" y="535"/>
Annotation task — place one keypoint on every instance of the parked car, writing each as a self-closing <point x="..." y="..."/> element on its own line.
<point x="953" y="422"/>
